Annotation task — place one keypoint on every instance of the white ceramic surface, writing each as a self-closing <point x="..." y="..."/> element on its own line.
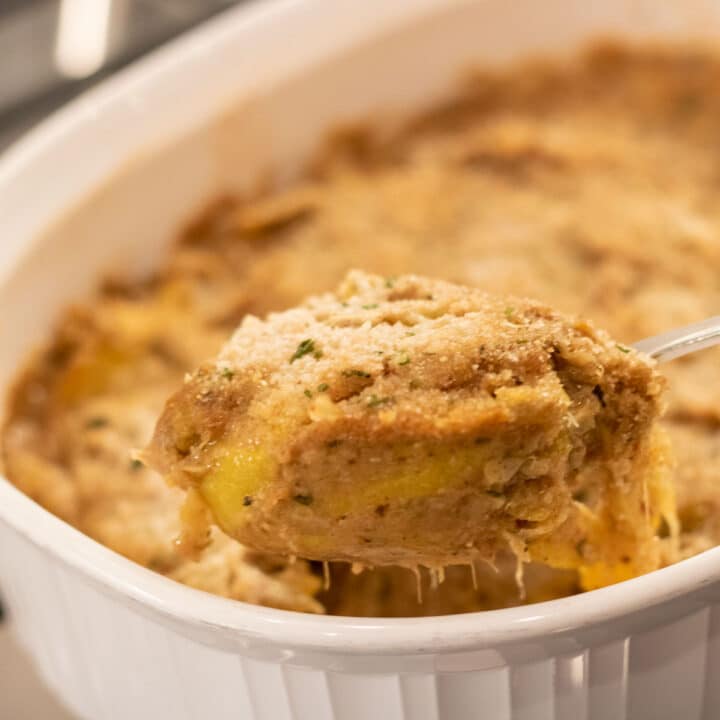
<point x="104" y="184"/>
<point x="22" y="694"/>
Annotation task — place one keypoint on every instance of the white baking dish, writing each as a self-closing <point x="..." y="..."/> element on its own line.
<point x="104" y="184"/>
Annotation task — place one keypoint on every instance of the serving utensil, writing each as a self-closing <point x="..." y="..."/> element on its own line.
<point x="681" y="341"/>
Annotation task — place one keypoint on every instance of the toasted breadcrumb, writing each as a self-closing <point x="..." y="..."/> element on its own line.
<point x="520" y="186"/>
<point x="451" y="426"/>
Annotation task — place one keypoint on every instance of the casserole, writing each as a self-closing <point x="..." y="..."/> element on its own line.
<point x="115" y="640"/>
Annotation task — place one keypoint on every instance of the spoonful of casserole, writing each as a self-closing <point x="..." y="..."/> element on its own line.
<point x="414" y="422"/>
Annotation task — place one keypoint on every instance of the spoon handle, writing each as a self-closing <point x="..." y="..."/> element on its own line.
<point x="682" y="341"/>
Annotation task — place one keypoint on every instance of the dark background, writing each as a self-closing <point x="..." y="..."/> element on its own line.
<point x="50" y="50"/>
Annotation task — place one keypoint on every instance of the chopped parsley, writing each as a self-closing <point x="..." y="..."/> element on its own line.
<point x="403" y="359"/>
<point x="623" y="349"/>
<point x="375" y="401"/>
<point x="509" y="311"/>
<point x="95" y="423"/>
<point x="323" y="387"/>
<point x="304" y="348"/>
<point x="390" y="282"/>
<point x="247" y="500"/>
<point x="136" y="464"/>
<point x="371" y="306"/>
<point x="356" y="373"/>
<point x="227" y="373"/>
<point x="303" y="498"/>
<point x="307" y="393"/>
<point x="494" y="493"/>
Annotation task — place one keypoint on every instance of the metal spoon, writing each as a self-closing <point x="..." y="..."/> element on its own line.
<point x="682" y="341"/>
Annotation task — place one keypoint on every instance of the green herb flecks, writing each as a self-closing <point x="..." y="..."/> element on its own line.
<point x="323" y="387"/>
<point x="95" y="423"/>
<point x="623" y="349"/>
<point x="375" y="401"/>
<point x="371" y="306"/>
<point x="304" y="348"/>
<point x="403" y="359"/>
<point x="303" y="498"/>
<point x="354" y="372"/>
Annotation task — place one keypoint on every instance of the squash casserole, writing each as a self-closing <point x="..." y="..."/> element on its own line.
<point x="413" y="422"/>
<point x="589" y="184"/>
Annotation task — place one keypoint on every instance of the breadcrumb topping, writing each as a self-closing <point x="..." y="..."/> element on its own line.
<point x="418" y="422"/>
<point x="520" y="186"/>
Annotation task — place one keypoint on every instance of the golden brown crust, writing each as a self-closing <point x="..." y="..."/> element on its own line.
<point x="82" y="409"/>
<point x="607" y="208"/>
<point x="415" y="422"/>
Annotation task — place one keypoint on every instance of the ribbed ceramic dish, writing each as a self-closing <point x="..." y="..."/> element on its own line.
<point x="104" y="184"/>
